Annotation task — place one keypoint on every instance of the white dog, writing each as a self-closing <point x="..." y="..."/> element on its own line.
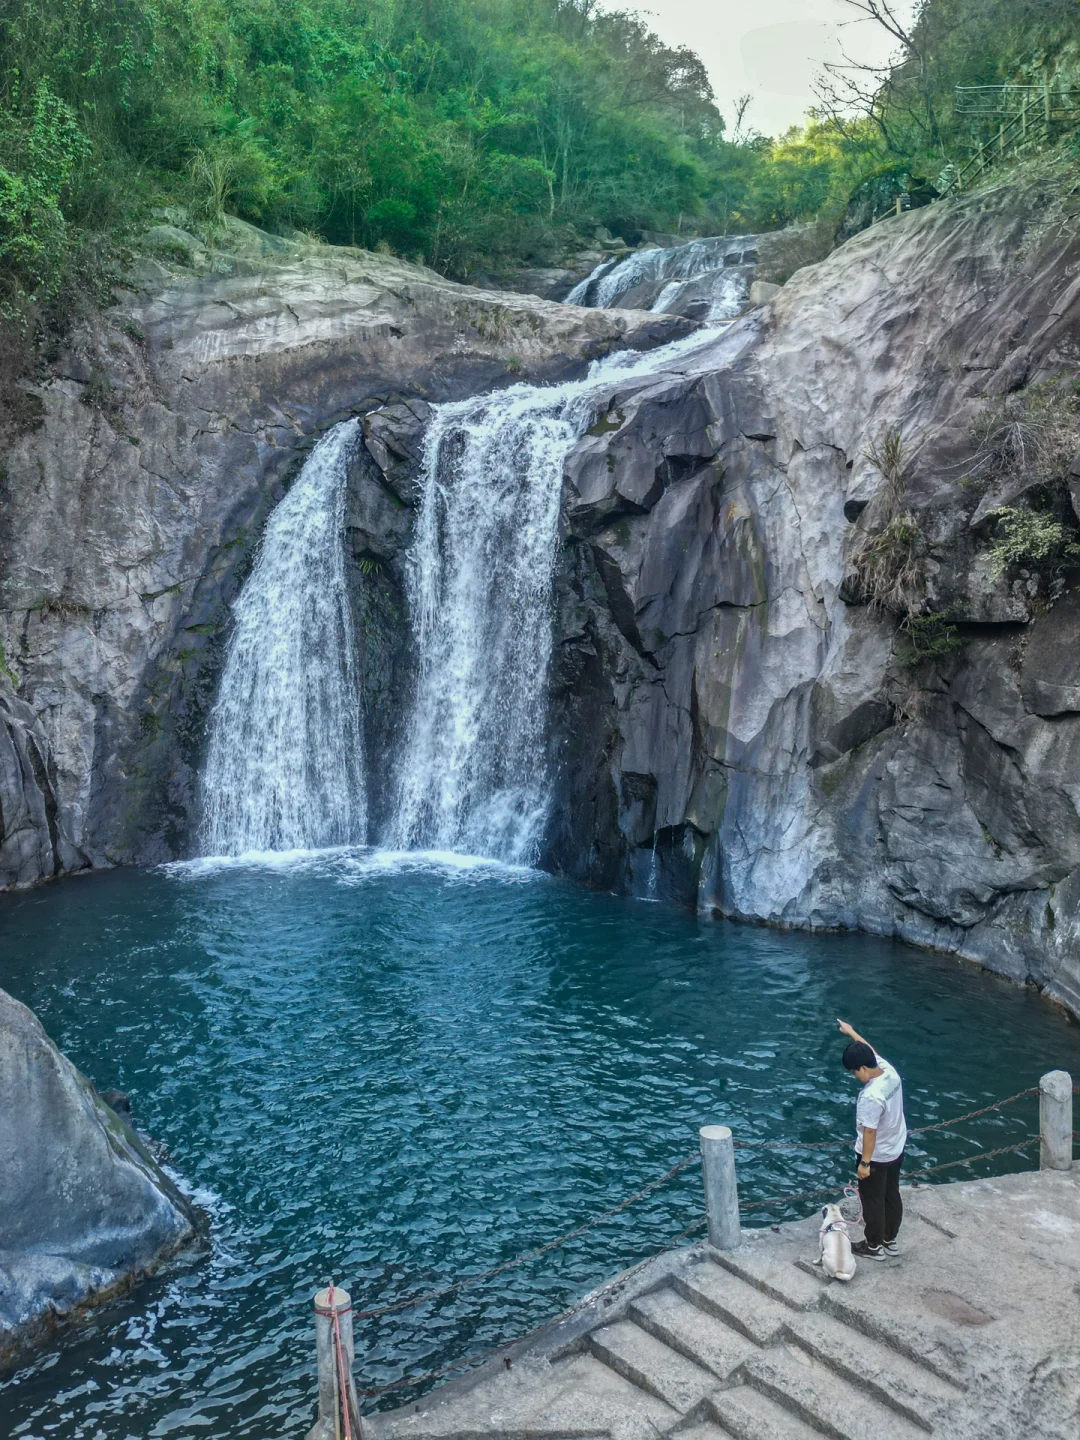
<point x="836" y="1258"/>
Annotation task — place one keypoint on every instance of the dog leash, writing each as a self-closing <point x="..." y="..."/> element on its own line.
<point x="851" y="1192"/>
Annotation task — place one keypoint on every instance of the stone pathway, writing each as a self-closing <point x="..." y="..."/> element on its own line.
<point x="972" y="1334"/>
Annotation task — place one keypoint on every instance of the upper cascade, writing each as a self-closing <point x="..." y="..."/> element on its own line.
<point x="706" y="280"/>
<point x="475" y="775"/>
<point x="285" y="767"/>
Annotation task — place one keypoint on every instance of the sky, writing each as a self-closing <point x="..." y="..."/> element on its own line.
<point x="771" y="49"/>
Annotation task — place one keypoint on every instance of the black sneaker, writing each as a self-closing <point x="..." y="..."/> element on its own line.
<point x="868" y="1252"/>
<point x="891" y="1247"/>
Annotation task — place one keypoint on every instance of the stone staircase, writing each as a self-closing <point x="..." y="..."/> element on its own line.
<point x="729" y="1346"/>
<point x="967" y="1336"/>
<point x="731" y="1351"/>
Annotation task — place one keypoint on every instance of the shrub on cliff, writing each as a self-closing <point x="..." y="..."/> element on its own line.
<point x="1033" y="538"/>
<point x="41" y="148"/>
<point x="927" y="637"/>
<point x="1029" y="436"/>
<point x="886" y="565"/>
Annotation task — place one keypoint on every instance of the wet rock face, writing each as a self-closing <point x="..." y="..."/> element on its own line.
<point x="130" y="515"/>
<point x="734" y="726"/>
<point x="86" y="1209"/>
<point x="33" y="843"/>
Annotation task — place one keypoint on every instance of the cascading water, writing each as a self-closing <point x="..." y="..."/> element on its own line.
<point x="613" y="278"/>
<point x="657" y="279"/>
<point x="729" y="289"/>
<point x="285" y="763"/>
<point x="475" y="772"/>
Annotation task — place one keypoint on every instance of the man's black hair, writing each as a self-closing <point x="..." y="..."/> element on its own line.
<point x="858" y="1054"/>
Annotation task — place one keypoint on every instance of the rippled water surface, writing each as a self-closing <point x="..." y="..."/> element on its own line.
<point x="396" y="1072"/>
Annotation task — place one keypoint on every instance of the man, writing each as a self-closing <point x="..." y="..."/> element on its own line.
<point x="881" y="1134"/>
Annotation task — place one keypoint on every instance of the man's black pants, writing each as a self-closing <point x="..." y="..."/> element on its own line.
<point x="882" y="1207"/>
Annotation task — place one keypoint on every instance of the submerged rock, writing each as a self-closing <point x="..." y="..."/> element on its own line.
<point x="84" y="1209"/>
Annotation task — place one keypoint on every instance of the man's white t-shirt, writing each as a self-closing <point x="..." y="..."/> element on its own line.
<point x="880" y="1107"/>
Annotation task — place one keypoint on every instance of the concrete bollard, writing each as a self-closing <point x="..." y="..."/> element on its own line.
<point x="721" y="1187"/>
<point x="1056" y="1120"/>
<point x="331" y="1422"/>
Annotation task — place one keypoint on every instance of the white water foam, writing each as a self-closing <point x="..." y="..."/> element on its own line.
<point x="612" y="279"/>
<point x="474" y="776"/>
<point x="273" y="860"/>
<point x="284" y="769"/>
<point x="449" y="864"/>
<point x="668" y="295"/>
<point x="349" y="864"/>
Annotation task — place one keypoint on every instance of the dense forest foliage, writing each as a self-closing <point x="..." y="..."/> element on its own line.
<point x="468" y="133"/>
<point x="459" y="131"/>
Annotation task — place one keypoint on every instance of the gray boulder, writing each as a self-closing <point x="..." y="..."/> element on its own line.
<point x="84" y="1209"/>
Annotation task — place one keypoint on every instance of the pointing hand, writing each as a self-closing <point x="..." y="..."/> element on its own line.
<point x="845" y="1028"/>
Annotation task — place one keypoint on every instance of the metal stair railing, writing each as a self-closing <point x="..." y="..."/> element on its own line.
<point x="1024" y="111"/>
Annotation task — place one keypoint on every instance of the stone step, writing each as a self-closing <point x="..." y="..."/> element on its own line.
<point x="576" y="1399"/>
<point x="650" y="1364"/>
<point x="587" y="1398"/>
<point x="776" y="1276"/>
<point x="893" y="1379"/>
<point x="821" y="1398"/>
<point x="705" y="1430"/>
<point x="922" y="1341"/>
<point x="692" y="1332"/>
<point x="746" y="1309"/>
<point x="747" y="1414"/>
<point x="815" y="1274"/>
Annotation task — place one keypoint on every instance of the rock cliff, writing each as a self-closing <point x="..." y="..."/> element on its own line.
<point x="742" y="721"/>
<point x="85" y="1208"/>
<point x="130" y="509"/>
<point x="731" y="709"/>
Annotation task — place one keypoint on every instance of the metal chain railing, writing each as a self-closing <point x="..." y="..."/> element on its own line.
<point x="444" y="1291"/>
<point x="912" y="1175"/>
<point x="920" y="1130"/>
<point x="407" y="1380"/>
<point x="532" y="1254"/>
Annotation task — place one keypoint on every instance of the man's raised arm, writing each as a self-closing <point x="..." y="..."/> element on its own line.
<point x="853" y="1034"/>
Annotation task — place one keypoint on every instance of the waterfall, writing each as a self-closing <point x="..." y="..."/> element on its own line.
<point x="729" y="290"/>
<point x="665" y="274"/>
<point x="285" y="763"/>
<point x="475" y="771"/>
<point x="613" y="278"/>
